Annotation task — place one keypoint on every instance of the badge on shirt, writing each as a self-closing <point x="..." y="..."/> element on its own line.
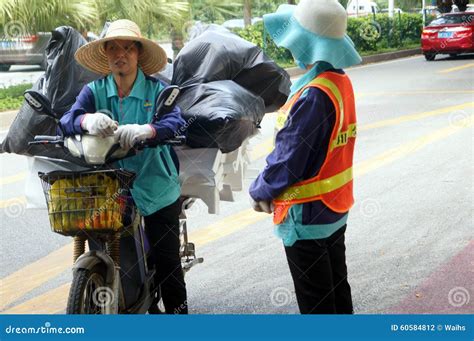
<point x="148" y="105"/>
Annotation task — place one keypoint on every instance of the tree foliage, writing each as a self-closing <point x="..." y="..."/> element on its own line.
<point x="215" y="11"/>
<point x="29" y="16"/>
<point x="44" y="15"/>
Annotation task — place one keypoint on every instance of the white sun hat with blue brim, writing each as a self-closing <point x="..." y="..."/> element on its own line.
<point x="313" y="30"/>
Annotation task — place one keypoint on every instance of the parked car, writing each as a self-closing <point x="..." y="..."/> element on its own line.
<point x="238" y="23"/>
<point x="361" y="8"/>
<point x="26" y="50"/>
<point x="395" y="10"/>
<point x="451" y="34"/>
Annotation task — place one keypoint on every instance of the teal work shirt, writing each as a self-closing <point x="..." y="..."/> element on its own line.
<point x="156" y="184"/>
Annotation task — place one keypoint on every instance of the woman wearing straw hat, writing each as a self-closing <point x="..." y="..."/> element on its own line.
<point x="126" y="60"/>
<point x="307" y="182"/>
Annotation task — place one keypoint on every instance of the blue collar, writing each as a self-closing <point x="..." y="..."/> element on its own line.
<point x="138" y="89"/>
<point x="316" y="70"/>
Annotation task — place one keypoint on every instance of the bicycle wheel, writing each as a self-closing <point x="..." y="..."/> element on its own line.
<point x="88" y="293"/>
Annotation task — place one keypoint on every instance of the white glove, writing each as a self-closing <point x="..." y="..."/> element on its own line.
<point x="262" y="206"/>
<point x="129" y="134"/>
<point x="99" y="124"/>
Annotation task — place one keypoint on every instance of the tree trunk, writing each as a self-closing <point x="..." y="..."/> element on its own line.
<point x="291" y="2"/>
<point x="247" y="12"/>
<point x="177" y="41"/>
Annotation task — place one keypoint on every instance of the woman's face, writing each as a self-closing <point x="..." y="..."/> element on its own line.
<point x="122" y="56"/>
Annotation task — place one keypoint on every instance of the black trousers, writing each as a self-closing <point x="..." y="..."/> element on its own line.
<point x="162" y="229"/>
<point x="319" y="272"/>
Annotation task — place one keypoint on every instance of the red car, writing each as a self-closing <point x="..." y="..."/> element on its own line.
<point x="451" y="34"/>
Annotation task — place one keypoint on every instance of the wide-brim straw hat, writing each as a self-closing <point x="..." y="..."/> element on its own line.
<point x="92" y="56"/>
<point x="313" y="30"/>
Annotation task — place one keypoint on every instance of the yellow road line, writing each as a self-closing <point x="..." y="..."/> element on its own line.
<point x="51" y="302"/>
<point x="457" y="68"/>
<point x="13" y="202"/>
<point x="223" y="227"/>
<point x="414" y="117"/>
<point x="266" y="146"/>
<point x="54" y="301"/>
<point x="12" y="179"/>
<point x="411" y="147"/>
<point x="248" y="217"/>
<point x="34" y="275"/>
<point x="30" y="277"/>
<point x="226" y="226"/>
<point x="413" y="92"/>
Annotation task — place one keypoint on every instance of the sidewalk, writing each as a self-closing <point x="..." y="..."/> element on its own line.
<point x="449" y="290"/>
<point x="6" y="119"/>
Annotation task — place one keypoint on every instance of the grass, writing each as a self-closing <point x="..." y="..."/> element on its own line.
<point x="391" y="49"/>
<point x="11" y="98"/>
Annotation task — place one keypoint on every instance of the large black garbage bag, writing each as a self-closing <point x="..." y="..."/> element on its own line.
<point x="61" y="83"/>
<point x="26" y="125"/>
<point x="220" y="114"/>
<point x="218" y="54"/>
<point x="64" y="77"/>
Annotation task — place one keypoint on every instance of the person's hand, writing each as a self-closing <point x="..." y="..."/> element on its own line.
<point x="129" y="134"/>
<point x="99" y="124"/>
<point x="256" y="207"/>
<point x="266" y="206"/>
<point x="262" y="206"/>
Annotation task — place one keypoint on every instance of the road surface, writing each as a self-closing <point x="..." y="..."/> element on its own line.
<point x="410" y="239"/>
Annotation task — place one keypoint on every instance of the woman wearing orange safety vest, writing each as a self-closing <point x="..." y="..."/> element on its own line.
<point x="307" y="182"/>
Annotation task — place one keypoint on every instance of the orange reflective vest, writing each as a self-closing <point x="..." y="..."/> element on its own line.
<point x="333" y="184"/>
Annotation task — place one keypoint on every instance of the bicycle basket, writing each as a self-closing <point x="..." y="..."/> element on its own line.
<point x="97" y="201"/>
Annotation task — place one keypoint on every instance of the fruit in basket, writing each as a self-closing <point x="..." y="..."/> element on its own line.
<point x="86" y="202"/>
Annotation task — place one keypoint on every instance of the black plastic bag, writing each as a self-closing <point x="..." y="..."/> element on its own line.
<point x="64" y="77"/>
<point x="220" y="114"/>
<point x="26" y="125"/>
<point x="61" y="83"/>
<point x="218" y="54"/>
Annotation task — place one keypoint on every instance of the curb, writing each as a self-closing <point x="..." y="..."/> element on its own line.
<point x="383" y="57"/>
<point x="376" y="58"/>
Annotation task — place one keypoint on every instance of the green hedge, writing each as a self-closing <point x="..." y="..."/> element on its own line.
<point x="371" y="34"/>
<point x="368" y="33"/>
<point x="11" y="97"/>
<point x="256" y="35"/>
